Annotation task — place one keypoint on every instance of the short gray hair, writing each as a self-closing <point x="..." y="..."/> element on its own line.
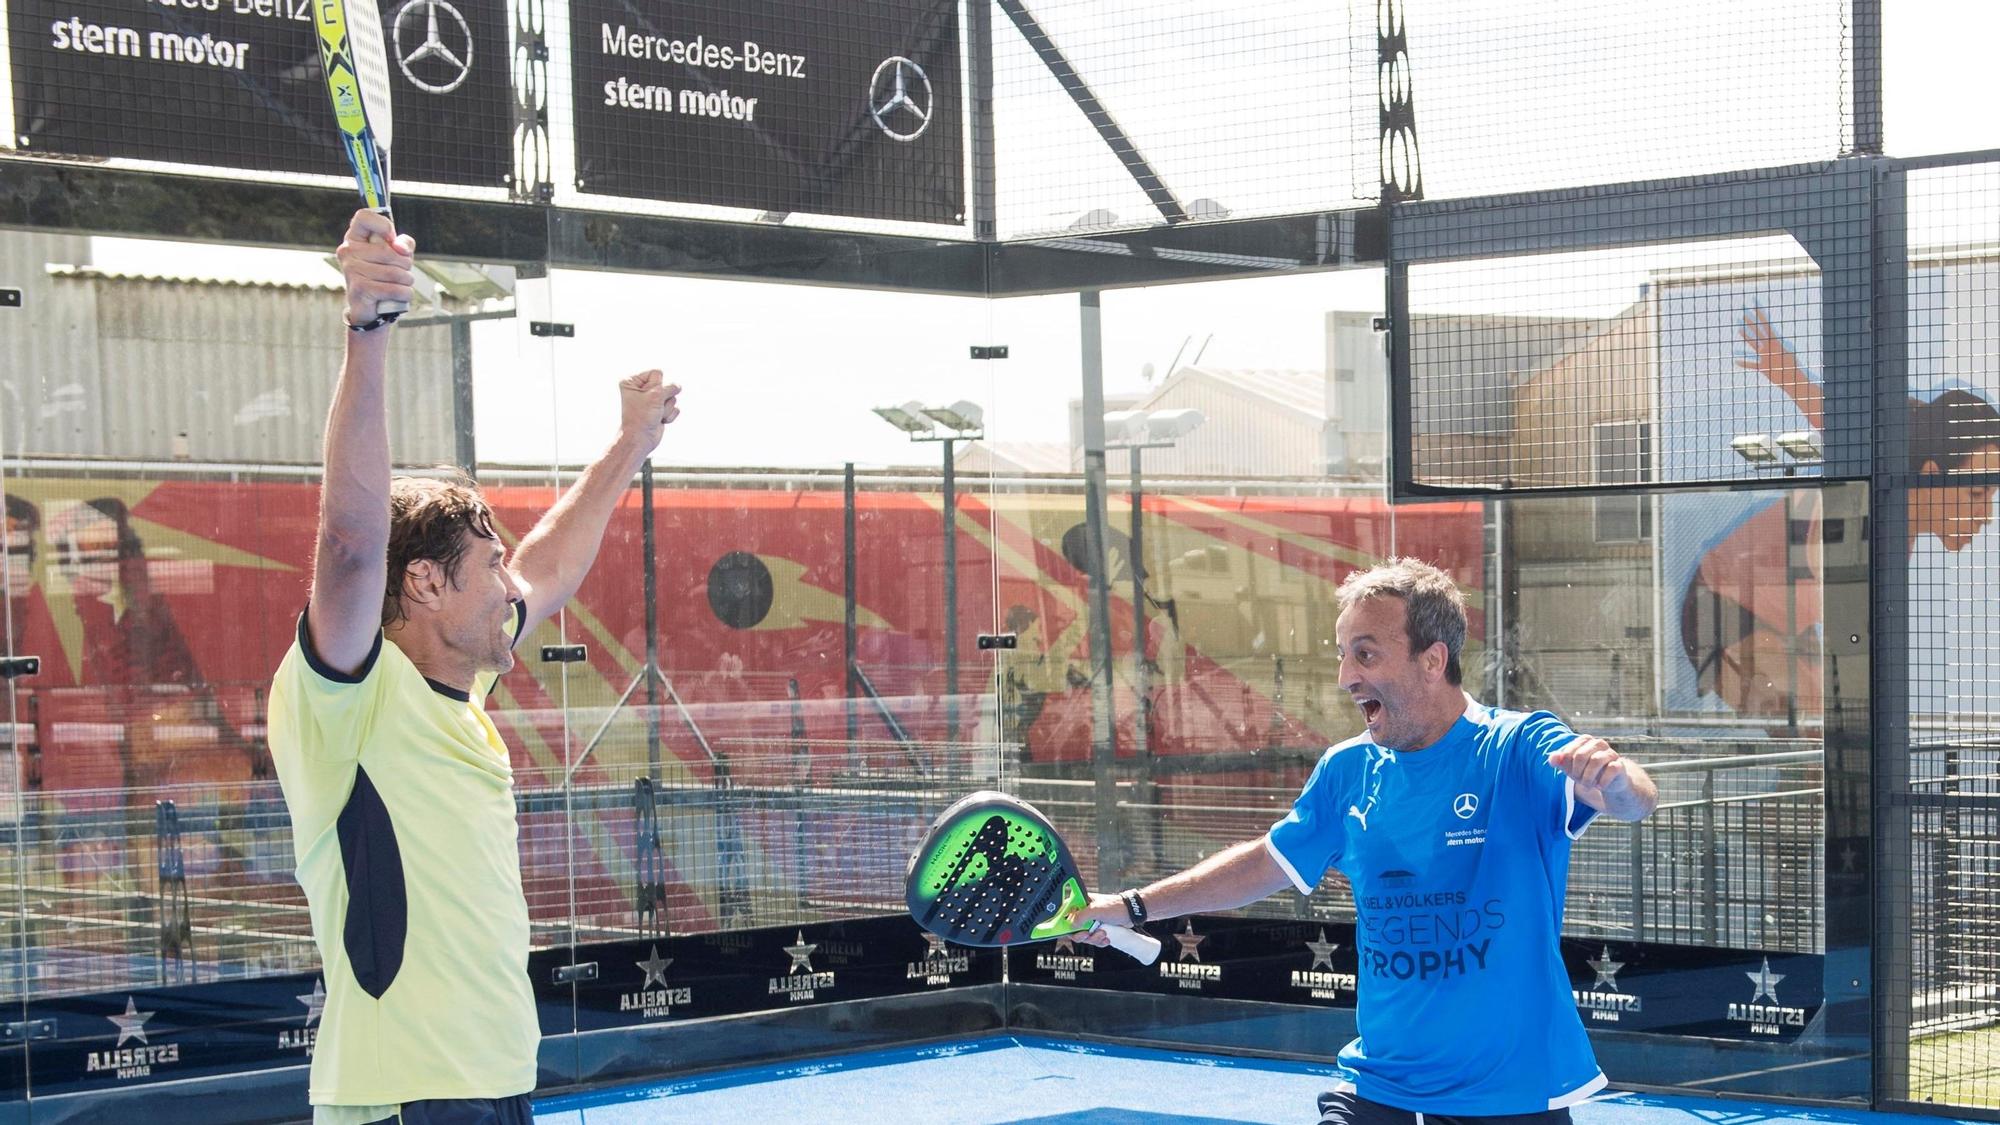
<point x="1433" y="607"/>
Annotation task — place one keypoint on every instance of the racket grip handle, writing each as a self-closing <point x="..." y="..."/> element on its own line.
<point x="1143" y="948"/>
<point x="388" y="310"/>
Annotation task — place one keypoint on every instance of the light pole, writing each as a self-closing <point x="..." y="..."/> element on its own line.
<point x="1133" y="431"/>
<point x="960" y="421"/>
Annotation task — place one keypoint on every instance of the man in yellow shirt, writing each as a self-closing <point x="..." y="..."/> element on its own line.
<point x="399" y="787"/>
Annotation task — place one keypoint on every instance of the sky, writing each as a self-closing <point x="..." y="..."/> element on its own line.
<point x="1266" y="106"/>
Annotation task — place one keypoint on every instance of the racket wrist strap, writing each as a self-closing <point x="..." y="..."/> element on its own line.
<point x="380" y="321"/>
<point x="1134" y="905"/>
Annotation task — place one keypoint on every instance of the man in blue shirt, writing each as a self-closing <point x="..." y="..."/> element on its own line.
<point x="1453" y="823"/>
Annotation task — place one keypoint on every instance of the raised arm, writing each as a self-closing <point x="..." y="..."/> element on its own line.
<point x="351" y="558"/>
<point x="551" y="562"/>
<point x="1606" y="780"/>
<point x="1772" y="358"/>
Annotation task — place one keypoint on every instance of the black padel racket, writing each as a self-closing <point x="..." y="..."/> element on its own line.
<point x="992" y="871"/>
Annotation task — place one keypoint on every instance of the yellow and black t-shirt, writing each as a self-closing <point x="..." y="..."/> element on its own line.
<point x="402" y="807"/>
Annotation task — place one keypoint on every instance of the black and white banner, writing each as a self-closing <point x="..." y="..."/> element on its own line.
<point x="848" y="109"/>
<point x="236" y="84"/>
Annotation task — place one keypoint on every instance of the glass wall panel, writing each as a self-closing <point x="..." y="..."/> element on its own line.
<point x="1694" y="641"/>
<point x="164" y="411"/>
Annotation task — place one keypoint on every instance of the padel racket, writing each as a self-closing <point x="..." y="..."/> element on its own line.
<point x="356" y="63"/>
<point x="992" y="871"/>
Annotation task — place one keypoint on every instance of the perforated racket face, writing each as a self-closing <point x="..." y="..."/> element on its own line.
<point x="356" y="66"/>
<point x="992" y="871"/>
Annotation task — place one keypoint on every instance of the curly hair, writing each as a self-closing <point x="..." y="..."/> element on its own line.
<point x="428" y="519"/>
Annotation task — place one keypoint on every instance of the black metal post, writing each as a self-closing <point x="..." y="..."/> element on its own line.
<point x="1865" y="52"/>
<point x="1103" y="728"/>
<point x="950" y="603"/>
<point x="979" y="64"/>
<point x="1141" y="728"/>
<point x="461" y="396"/>
<point x="651" y="594"/>
<point x="848" y="629"/>
<point x="1868" y="773"/>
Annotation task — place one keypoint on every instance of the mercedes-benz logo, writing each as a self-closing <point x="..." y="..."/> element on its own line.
<point x="1465" y="804"/>
<point x="447" y="64"/>
<point x="900" y="98"/>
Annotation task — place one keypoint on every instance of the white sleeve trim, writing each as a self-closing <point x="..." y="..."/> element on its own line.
<point x="1291" y="872"/>
<point x="1569" y="817"/>
<point x="1564" y="1101"/>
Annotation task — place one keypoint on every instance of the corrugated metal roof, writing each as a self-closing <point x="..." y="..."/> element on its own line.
<point x="93" y="273"/>
<point x="1300" y="391"/>
<point x="1020" y="456"/>
<point x="130" y="365"/>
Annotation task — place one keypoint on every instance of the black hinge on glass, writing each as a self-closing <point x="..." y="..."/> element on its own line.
<point x="989" y="351"/>
<point x="14" y="667"/>
<point x="27" y="1030"/>
<point x="550" y="328"/>
<point x="573" y="974"/>
<point x="989" y="641"/>
<point x="562" y="654"/>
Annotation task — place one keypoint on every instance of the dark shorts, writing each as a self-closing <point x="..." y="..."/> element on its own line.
<point x="465" y="1111"/>
<point x="1349" y="1108"/>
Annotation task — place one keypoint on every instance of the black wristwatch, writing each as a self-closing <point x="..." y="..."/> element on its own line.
<point x="1134" y="905"/>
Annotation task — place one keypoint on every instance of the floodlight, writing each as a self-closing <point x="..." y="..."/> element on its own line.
<point x="1125" y="426"/>
<point x="1166" y="425"/>
<point x="1801" y="445"/>
<point x="469" y="281"/>
<point x="1754" y="448"/>
<point x="908" y="417"/>
<point x="962" y="416"/>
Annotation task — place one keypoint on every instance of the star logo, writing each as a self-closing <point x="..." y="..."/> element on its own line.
<point x="1606" y="970"/>
<point x="443" y="60"/>
<point x="315" y="1001"/>
<point x="131" y="1025"/>
<point x="934" y="947"/>
<point x="1465" y="804"/>
<point x="1766" y="982"/>
<point x="1190" y="942"/>
<point x="801" y="954"/>
<point x="900" y="99"/>
<point x="655" y="968"/>
<point x="1322" y="951"/>
<point x="1065" y="944"/>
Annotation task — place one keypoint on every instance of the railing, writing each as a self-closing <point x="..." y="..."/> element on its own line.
<point x="805" y="833"/>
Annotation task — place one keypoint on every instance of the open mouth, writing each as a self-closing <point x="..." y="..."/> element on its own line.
<point x="1371" y="710"/>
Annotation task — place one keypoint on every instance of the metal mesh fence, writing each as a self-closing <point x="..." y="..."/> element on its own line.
<point x="1130" y="115"/>
<point x="1670" y="363"/>
<point x="1515" y="97"/>
<point x="1952" y="434"/>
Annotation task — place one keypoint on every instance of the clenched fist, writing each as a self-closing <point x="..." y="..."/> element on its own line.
<point x="647" y="402"/>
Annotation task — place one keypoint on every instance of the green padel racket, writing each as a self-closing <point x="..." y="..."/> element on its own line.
<point x="992" y="871"/>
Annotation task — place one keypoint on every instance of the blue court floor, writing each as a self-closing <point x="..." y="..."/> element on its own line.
<point x="1025" y="1080"/>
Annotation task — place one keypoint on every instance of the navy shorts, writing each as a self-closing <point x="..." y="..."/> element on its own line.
<point x="465" y="1111"/>
<point x="1348" y="1108"/>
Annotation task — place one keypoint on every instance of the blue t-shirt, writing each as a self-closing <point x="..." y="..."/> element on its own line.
<point x="1459" y="856"/>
